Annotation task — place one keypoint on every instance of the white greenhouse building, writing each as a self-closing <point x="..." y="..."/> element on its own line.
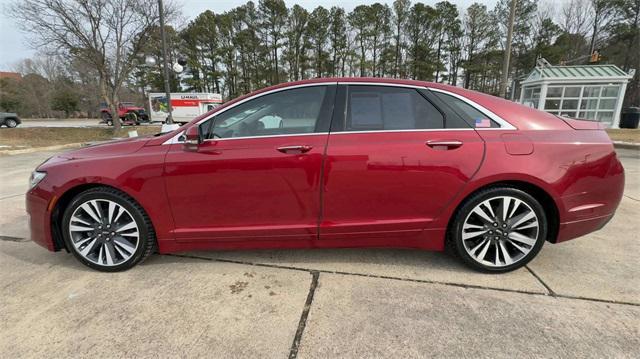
<point x="592" y="92"/>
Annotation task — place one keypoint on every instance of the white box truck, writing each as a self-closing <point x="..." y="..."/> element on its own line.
<point x="186" y="106"/>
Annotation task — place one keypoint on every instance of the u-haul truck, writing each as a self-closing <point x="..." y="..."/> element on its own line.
<point x="186" y="106"/>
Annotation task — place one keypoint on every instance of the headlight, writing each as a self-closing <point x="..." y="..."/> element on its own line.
<point x="35" y="178"/>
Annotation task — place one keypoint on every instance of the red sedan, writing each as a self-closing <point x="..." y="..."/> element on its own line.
<point x="324" y="163"/>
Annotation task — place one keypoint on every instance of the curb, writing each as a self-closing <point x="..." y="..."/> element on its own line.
<point x="40" y="149"/>
<point x="626" y="145"/>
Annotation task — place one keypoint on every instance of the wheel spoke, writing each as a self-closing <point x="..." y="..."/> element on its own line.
<point x="522" y="238"/>
<point x="74" y="228"/>
<point x="90" y="212"/>
<point x="507" y="258"/>
<point x="506" y="201"/>
<point x="89" y="247"/>
<point x="76" y="219"/>
<point x="100" y="254"/>
<point x="112" y="208"/>
<point x="108" y="254"/>
<point x="483" y="252"/>
<point x="487" y="205"/>
<point x="516" y="204"/>
<point x="481" y="213"/>
<point x="471" y="226"/>
<point x="533" y="224"/>
<point x="468" y="235"/>
<point x="518" y="247"/>
<point x="126" y="227"/>
<point x="522" y="218"/>
<point x="121" y="242"/>
<point x="79" y="243"/>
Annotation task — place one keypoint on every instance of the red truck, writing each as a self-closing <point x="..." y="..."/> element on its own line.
<point x="128" y="112"/>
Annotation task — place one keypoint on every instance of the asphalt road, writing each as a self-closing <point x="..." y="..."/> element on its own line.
<point x="577" y="299"/>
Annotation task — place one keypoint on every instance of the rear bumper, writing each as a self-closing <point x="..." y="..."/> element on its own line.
<point x="575" y="229"/>
<point x="37" y="204"/>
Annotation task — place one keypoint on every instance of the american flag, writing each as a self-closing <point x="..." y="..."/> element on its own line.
<point x="483" y="122"/>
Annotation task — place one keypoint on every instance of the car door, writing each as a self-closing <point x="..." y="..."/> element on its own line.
<point x="394" y="161"/>
<point x="256" y="174"/>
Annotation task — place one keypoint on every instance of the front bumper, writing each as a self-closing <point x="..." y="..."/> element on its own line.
<point x="38" y="203"/>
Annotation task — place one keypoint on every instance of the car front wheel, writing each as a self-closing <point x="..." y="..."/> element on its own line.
<point x="499" y="229"/>
<point x="107" y="230"/>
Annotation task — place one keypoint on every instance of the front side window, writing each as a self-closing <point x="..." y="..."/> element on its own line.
<point x="373" y="108"/>
<point x="294" y="111"/>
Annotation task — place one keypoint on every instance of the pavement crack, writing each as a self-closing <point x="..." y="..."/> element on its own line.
<point x="426" y="281"/>
<point x="551" y="292"/>
<point x="13" y="239"/>
<point x="631" y="198"/>
<point x="293" y="353"/>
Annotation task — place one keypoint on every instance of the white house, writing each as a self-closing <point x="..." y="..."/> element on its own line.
<point x="592" y="92"/>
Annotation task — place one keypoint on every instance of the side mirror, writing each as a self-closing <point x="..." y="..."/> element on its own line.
<point x="192" y="137"/>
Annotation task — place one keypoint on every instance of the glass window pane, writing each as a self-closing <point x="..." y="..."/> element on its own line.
<point x="589" y="104"/>
<point x="285" y="112"/>
<point x="588" y="115"/>
<point x="591" y="91"/>
<point x="569" y="104"/>
<point x="390" y="108"/>
<point x="568" y="114"/>
<point x="554" y="92"/>
<point x="607" y="104"/>
<point x="527" y="93"/>
<point x="470" y="114"/>
<point x="572" y="91"/>
<point x="605" y="117"/>
<point x="552" y="104"/>
<point x="610" y="91"/>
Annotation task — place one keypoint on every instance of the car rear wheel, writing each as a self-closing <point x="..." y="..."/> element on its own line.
<point x="11" y="123"/>
<point x="499" y="229"/>
<point x="107" y="230"/>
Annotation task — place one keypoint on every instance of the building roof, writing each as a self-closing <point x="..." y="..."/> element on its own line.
<point x="578" y="72"/>
<point x="10" y="75"/>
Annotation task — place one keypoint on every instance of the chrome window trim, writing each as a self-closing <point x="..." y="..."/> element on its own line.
<point x="271" y="136"/>
<point x="360" y="83"/>
<point x="504" y="124"/>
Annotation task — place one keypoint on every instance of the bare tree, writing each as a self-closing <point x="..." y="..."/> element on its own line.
<point x="107" y="34"/>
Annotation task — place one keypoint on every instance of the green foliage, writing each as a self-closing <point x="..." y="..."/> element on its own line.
<point x="65" y="100"/>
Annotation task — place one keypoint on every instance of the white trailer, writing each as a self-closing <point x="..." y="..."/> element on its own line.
<point x="186" y="106"/>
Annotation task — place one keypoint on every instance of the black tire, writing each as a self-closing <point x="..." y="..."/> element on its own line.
<point x="11" y="123"/>
<point x="147" y="236"/>
<point x="457" y="245"/>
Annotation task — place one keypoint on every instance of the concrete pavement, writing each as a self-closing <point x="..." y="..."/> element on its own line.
<point x="579" y="299"/>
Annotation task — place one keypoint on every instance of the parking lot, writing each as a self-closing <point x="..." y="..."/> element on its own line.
<point x="577" y="299"/>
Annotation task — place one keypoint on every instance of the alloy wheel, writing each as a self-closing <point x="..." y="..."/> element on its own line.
<point x="104" y="232"/>
<point x="500" y="231"/>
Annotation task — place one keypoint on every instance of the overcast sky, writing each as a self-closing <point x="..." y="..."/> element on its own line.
<point x="14" y="46"/>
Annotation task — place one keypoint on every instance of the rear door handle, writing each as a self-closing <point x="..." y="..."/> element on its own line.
<point x="295" y="149"/>
<point x="444" y="144"/>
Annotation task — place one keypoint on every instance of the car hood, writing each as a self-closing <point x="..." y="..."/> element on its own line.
<point x="100" y="149"/>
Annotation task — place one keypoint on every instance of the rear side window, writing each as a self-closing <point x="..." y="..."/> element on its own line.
<point x="470" y="114"/>
<point x="371" y="108"/>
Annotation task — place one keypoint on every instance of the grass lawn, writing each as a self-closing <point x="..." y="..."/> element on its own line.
<point x="625" y="134"/>
<point x="21" y="138"/>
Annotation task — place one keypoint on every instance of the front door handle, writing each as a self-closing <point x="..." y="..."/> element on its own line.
<point x="295" y="149"/>
<point x="444" y="144"/>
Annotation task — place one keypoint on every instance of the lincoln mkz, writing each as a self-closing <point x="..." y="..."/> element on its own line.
<point x="349" y="162"/>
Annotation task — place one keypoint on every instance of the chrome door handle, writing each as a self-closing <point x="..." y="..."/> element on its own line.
<point x="295" y="149"/>
<point x="444" y="145"/>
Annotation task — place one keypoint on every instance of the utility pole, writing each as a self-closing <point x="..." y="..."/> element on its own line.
<point x="165" y="61"/>
<point x="507" y="51"/>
